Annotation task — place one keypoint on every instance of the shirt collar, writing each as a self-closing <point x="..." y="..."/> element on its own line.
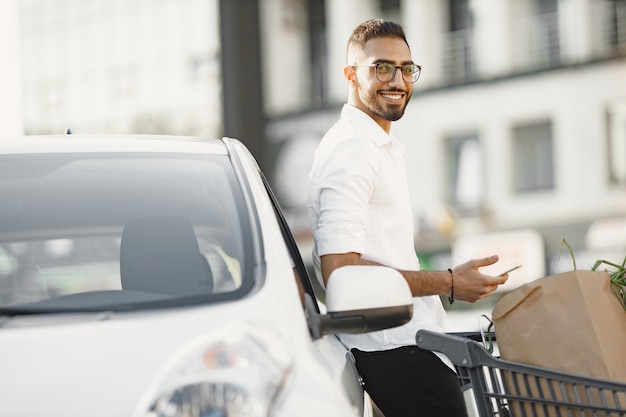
<point x="368" y="128"/>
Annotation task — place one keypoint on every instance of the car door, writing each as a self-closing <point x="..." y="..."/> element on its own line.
<point x="339" y="359"/>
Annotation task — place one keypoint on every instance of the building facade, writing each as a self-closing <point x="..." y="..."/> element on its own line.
<point x="516" y="124"/>
<point x="515" y="135"/>
<point x="120" y="66"/>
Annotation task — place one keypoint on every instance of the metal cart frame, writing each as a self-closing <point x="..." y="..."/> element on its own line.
<point x="504" y="388"/>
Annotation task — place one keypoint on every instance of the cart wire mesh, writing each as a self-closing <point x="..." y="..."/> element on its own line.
<point x="503" y="388"/>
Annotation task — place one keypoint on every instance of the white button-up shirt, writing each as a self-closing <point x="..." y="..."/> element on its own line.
<point x="359" y="202"/>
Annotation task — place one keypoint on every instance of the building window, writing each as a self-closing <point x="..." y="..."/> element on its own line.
<point x="537" y="40"/>
<point x="609" y="26"/>
<point x="546" y="42"/>
<point x="466" y="182"/>
<point x="533" y="161"/>
<point x="458" y="43"/>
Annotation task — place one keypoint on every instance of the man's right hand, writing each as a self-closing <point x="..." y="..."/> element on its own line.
<point x="472" y="285"/>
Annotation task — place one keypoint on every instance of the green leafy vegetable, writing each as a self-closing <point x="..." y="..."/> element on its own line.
<point x="618" y="278"/>
<point x="616" y="271"/>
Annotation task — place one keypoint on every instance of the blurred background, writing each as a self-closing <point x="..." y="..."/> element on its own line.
<point x="515" y="136"/>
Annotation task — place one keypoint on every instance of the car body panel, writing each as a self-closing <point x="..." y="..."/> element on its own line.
<point x="75" y="354"/>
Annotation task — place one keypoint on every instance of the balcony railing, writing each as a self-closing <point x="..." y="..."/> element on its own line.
<point x="458" y="56"/>
<point x="540" y="42"/>
<point x="609" y="28"/>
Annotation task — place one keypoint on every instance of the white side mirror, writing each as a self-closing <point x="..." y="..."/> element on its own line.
<point x="362" y="299"/>
<point x="357" y="287"/>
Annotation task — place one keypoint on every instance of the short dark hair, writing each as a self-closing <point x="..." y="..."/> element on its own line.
<point x="375" y="28"/>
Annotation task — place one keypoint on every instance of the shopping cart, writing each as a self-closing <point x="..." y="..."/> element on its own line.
<point x="497" y="387"/>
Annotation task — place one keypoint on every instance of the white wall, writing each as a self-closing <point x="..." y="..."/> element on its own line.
<point x="575" y="100"/>
<point x="11" y="123"/>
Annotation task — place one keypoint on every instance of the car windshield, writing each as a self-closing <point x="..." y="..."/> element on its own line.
<point x="84" y="232"/>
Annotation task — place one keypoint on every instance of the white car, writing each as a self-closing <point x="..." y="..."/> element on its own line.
<point x="156" y="276"/>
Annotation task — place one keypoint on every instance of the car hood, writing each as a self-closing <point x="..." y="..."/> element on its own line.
<point x="104" y="363"/>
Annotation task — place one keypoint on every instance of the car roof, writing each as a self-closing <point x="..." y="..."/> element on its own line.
<point x="71" y="143"/>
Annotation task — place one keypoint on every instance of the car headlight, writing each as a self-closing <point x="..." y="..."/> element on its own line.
<point x="237" y="373"/>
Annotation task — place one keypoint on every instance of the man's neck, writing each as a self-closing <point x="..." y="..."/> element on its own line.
<point x="384" y="124"/>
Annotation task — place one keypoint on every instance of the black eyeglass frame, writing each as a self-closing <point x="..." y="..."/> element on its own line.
<point x="413" y="80"/>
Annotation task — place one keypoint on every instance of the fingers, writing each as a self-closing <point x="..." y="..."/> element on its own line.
<point x="487" y="290"/>
<point x="490" y="260"/>
<point x="472" y="285"/>
<point x="501" y="279"/>
<point x="498" y="280"/>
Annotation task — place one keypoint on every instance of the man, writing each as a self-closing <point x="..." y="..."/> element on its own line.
<point x="361" y="214"/>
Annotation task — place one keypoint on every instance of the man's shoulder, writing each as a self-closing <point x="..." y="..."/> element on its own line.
<point x="345" y="133"/>
<point x="350" y="146"/>
<point x="343" y="127"/>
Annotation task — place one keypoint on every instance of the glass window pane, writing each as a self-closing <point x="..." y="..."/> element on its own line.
<point x="533" y="161"/>
<point x="67" y="217"/>
<point x="466" y="172"/>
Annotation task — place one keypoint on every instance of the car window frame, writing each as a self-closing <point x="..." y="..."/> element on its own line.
<point x="292" y="246"/>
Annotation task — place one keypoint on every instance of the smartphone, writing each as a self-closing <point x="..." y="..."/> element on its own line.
<point x="511" y="270"/>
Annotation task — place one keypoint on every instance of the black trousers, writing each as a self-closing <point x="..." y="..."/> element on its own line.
<point x="409" y="381"/>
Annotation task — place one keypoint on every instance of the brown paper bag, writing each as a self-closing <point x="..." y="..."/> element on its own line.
<point x="571" y="322"/>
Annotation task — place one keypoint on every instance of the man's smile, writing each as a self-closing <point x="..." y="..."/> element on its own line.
<point x="393" y="96"/>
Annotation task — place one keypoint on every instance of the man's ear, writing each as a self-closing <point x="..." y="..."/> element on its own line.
<point x="350" y="73"/>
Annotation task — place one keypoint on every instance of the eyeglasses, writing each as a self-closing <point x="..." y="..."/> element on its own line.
<point x="387" y="72"/>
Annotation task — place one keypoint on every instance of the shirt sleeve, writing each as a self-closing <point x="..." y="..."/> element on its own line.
<point x="346" y="187"/>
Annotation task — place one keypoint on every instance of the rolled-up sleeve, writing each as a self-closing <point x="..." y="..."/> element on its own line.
<point x="346" y="183"/>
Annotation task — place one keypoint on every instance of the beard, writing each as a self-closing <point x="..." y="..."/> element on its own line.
<point x="388" y="112"/>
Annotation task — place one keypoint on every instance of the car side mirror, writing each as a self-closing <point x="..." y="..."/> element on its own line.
<point x="361" y="299"/>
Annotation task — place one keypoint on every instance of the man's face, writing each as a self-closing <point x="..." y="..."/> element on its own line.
<point x="385" y="102"/>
